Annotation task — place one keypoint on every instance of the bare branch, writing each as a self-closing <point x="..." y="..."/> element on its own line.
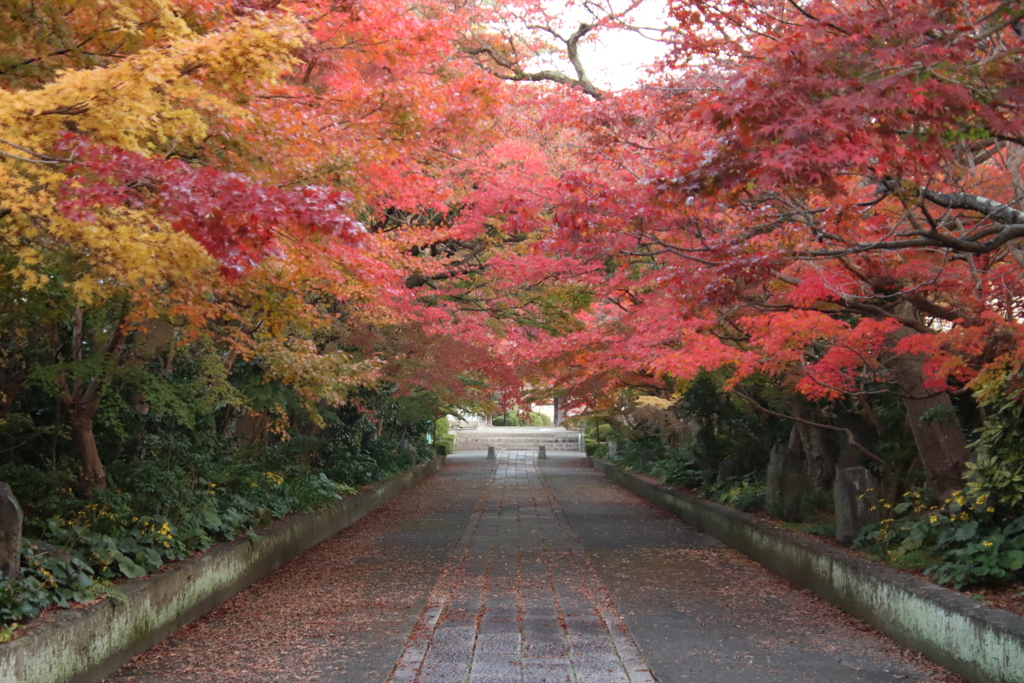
<point x="843" y="430"/>
<point x="38" y="158"/>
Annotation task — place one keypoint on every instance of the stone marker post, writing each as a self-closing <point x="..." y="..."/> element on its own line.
<point x="613" y="448"/>
<point x="408" y="453"/>
<point x="856" y="499"/>
<point x="542" y="453"/>
<point x="646" y="458"/>
<point x="491" y="455"/>
<point x="786" y="484"/>
<point x="10" y="532"/>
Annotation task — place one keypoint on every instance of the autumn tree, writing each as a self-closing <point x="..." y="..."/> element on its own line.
<point x="89" y="210"/>
<point x="821" y="193"/>
<point x="205" y="173"/>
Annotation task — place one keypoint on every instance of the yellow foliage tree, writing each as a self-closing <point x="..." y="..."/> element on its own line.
<point x="160" y="102"/>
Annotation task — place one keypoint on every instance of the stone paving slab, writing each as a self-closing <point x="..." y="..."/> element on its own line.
<point x="519" y="570"/>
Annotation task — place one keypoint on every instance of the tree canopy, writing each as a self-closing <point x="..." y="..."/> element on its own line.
<point x="820" y="197"/>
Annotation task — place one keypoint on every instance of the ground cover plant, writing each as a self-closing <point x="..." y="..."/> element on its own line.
<point x="179" y="490"/>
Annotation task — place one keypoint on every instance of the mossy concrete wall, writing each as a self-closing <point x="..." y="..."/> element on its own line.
<point x="978" y="642"/>
<point x="88" y="644"/>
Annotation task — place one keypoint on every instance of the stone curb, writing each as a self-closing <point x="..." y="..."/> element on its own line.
<point x="84" y="645"/>
<point x="981" y="643"/>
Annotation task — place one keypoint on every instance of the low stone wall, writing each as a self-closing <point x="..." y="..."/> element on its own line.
<point x="978" y="642"/>
<point x="88" y="644"/>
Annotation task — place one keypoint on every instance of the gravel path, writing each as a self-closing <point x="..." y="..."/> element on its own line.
<point x="525" y="570"/>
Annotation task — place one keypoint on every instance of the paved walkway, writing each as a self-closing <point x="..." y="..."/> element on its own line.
<point x="519" y="570"/>
<point x="518" y="598"/>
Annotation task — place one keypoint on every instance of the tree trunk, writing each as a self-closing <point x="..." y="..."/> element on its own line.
<point x="940" y="439"/>
<point x="821" y="463"/>
<point x="82" y="399"/>
<point x="9" y="392"/>
<point x="252" y="427"/>
<point x="83" y="442"/>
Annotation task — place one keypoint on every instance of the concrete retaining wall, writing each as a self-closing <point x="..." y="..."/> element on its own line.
<point x="978" y="642"/>
<point x="88" y="644"/>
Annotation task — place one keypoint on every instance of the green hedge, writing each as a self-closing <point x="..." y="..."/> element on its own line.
<point x="539" y="420"/>
<point x="444" y="440"/>
<point x="508" y="419"/>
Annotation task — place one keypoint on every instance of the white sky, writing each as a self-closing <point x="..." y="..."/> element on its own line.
<point x="613" y="58"/>
<point x="617" y="59"/>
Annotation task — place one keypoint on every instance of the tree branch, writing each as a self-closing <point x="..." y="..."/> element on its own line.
<point x="38" y="158"/>
<point x="849" y="434"/>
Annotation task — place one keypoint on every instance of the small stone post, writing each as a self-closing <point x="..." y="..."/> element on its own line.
<point x="786" y="483"/>
<point x="542" y="453"/>
<point x="491" y="455"/>
<point x="10" y="532"/>
<point x="613" y="448"/>
<point x="646" y="458"/>
<point x="407" y="452"/>
<point x="856" y="499"/>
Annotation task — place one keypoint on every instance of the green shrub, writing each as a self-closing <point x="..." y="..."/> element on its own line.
<point x="508" y="419"/>
<point x="962" y="542"/>
<point x="176" y="501"/>
<point x="538" y="420"/>
<point x="643" y="449"/>
<point x="598" y="431"/>
<point x="745" y="493"/>
<point x="997" y="473"/>
<point x="682" y="470"/>
<point x="745" y="496"/>
<point x="45" y="579"/>
<point x="178" y="480"/>
<point x="978" y="534"/>
<point x="445" y="445"/>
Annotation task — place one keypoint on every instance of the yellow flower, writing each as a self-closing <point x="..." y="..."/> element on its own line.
<point x="987" y="544"/>
<point x="990" y="509"/>
<point x="934" y="519"/>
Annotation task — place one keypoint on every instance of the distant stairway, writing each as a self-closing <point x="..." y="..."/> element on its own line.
<point x="554" y="438"/>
